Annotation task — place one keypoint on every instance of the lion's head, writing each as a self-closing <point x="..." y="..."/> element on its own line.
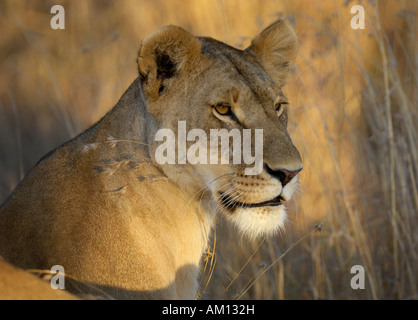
<point x="200" y="83"/>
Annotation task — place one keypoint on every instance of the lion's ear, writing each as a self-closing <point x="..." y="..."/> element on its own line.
<point x="162" y="55"/>
<point x="275" y="49"/>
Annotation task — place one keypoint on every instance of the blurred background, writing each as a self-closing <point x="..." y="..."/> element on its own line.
<point x="353" y="96"/>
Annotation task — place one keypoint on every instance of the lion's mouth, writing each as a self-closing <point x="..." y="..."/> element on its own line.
<point x="230" y="203"/>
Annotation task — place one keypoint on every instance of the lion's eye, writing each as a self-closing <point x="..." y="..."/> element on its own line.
<point x="279" y="107"/>
<point x="223" y="109"/>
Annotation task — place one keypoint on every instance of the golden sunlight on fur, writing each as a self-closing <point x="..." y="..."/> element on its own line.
<point x="16" y="284"/>
<point x="101" y="206"/>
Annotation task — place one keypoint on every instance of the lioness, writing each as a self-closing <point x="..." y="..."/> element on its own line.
<point x="101" y="205"/>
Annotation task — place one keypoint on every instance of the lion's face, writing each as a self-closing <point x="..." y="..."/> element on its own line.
<point x="198" y="88"/>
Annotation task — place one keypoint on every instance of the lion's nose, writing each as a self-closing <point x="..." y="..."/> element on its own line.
<point x="282" y="174"/>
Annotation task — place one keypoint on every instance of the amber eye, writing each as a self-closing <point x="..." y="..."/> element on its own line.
<point x="279" y="107"/>
<point x="223" y="109"/>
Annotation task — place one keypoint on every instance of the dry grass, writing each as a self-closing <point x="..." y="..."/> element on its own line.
<point x="354" y="119"/>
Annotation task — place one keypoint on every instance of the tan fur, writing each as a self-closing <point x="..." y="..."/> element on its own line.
<point x="103" y="208"/>
<point x="16" y="284"/>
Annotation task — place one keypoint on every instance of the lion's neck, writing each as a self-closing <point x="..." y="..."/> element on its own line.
<point x="124" y="130"/>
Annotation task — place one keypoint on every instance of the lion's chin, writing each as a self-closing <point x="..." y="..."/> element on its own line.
<point x="259" y="221"/>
